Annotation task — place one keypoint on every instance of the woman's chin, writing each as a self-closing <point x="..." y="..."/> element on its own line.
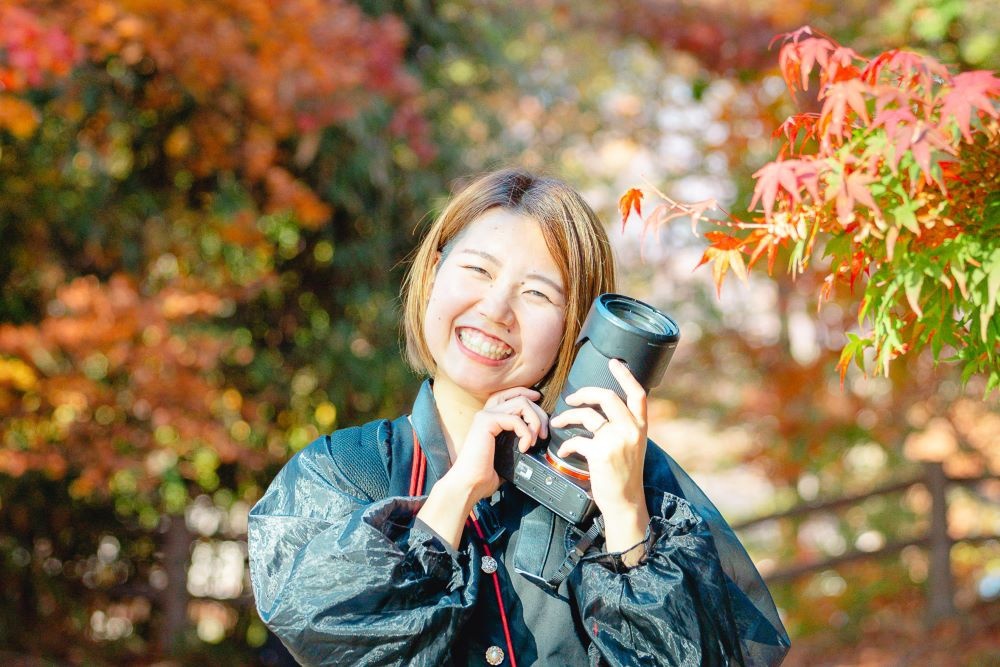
<point x="480" y="389"/>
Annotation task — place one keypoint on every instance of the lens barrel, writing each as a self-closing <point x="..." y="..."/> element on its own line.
<point x="617" y="327"/>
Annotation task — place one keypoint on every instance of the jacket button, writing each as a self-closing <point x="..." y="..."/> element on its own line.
<point x="489" y="566"/>
<point x="494" y="655"/>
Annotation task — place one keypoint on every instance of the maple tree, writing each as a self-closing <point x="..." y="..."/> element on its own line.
<point x="893" y="185"/>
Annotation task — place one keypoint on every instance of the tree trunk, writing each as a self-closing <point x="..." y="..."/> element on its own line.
<point x="174" y="598"/>
<point x="940" y="588"/>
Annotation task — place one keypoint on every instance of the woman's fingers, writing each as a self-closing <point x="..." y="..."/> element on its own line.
<point x="526" y="436"/>
<point x="587" y="417"/>
<point x="608" y="401"/>
<point x="530" y="412"/>
<point x="505" y="395"/>
<point x="577" y="445"/>
<point x="632" y="409"/>
<point x="487" y="427"/>
<point x="635" y="395"/>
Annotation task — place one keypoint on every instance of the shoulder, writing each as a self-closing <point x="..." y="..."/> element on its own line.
<point x="354" y="460"/>
<point x="660" y="471"/>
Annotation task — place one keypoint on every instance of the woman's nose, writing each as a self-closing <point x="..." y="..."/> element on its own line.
<point x="496" y="305"/>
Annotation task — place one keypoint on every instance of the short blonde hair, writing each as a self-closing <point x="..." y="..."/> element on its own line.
<point x="573" y="235"/>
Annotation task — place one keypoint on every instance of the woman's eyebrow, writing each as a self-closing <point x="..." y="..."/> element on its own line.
<point x="483" y="254"/>
<point x="536" y="276"/>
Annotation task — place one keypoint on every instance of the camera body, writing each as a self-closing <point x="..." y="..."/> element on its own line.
<point x="617" y="327"/>
<point x="532" y="473"/>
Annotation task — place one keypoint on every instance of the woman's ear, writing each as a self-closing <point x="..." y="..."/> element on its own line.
<point x="436" y="265"/>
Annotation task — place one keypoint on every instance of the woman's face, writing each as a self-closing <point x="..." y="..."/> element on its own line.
<point x="496" y="313"/>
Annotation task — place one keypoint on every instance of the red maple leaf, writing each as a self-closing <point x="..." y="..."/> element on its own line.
<point x="671" y="210"/>
<point x="800" y="123"/>
<point x="798" y="56"/>
<point x="899" y="125"/>
<point x="841" y="98"/>
<point x="970" y="93"/>
<point x="912" y="70"/>
<point x="854" y="189"/>
<point x="925" y="139"/>
<point x="788" y="175"/>
<point x="840" y="65"/>
<point x="766" y="242"/>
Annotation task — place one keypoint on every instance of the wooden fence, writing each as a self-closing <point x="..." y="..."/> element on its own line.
<point x="940" y="584"/>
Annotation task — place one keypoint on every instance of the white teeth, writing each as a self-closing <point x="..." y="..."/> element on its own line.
<point x="480" y="344"/>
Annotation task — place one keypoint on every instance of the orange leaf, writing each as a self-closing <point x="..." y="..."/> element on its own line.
<point x="630" y="200"/>
<point x="725" y="253"/>
<point x="17" y="116"/>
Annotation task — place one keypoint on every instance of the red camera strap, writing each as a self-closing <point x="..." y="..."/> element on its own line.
<point x="418" y="474"/>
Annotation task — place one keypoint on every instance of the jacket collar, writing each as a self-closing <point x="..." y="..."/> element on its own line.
<point x="427" y="425"/>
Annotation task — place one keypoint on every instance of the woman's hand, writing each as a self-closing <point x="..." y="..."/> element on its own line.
<point x="472" y="475"/>
<point x="615" y="454"/>
<point x="512" y="409"/>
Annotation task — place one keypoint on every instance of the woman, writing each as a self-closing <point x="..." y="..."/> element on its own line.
<point x="356" y="558"/>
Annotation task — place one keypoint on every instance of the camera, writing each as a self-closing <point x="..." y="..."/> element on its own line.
<point x="617" y="327"/>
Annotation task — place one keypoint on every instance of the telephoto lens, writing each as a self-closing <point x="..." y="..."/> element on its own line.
<point x="617" y="327"/>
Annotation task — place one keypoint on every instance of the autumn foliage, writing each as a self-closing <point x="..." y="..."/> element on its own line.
<point x="189" y="104"/>
<point x="163" y="166"/>
<point x="892" y="184"/>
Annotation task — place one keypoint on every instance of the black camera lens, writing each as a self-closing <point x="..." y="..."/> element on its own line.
<point x="617" y="327"/>
<point x="641" y="316"/>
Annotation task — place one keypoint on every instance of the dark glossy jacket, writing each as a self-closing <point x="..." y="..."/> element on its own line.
<point x="343" y="575"/>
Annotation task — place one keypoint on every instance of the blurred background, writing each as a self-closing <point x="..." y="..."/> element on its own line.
<point x="205" y="211"/>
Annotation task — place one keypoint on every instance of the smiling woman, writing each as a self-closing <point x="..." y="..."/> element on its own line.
<point x="398" y="543"/>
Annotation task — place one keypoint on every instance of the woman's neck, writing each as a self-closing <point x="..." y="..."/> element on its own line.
<point x="456" y="407"/>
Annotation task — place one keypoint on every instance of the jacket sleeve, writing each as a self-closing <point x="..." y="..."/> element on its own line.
<point x="342" y="580"/>
<point x="673" y="608"/>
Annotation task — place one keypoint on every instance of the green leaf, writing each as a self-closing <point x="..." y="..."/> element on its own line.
<point x="912" y="284"/>
<point x="854" y="350"/>
<point x="838" y="246"/>
<point x="992" y="282"/>
<point x="795" y="258"/>
<point x="992" y="382"/>
<point x="991" y="211"/>
<point x="905" y="215"/>
<point x="958" y="271"/>
<point x="968" y="371"/>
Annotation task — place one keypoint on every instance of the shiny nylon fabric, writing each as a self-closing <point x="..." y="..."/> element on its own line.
<point x="338" y="579"/>
<point x="344" y="576"/>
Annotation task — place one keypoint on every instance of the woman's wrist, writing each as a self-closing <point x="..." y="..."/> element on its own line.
<point x="447" y="507"/>
<point x="624" y="529"/>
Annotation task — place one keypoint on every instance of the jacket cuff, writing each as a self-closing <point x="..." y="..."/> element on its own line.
<point x="442" y="544"/>
<point x="422" y="548"/>
<point x="670" y="516"/>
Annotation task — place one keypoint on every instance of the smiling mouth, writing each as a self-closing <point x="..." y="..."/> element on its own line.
<point x="484" y="345"/>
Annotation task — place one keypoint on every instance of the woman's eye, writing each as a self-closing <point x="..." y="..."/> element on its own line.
<point x="543" y="295"/>
<point x="477" y="269"/>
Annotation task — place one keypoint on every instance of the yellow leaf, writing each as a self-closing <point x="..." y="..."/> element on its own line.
<point x="17" y="373"/>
